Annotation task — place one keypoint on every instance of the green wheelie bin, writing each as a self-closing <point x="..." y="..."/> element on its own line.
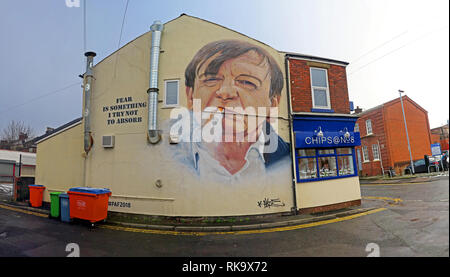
<point x="54" y="204"/>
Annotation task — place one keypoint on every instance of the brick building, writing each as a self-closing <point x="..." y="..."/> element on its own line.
<point x="383" y="136"/>
<point x="440" y="135"/>
<point x="337" y="100"/>
<point x="324" y="144"/>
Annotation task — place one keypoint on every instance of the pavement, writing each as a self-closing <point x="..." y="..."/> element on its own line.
<point x="417" y="178"/>
<point x="223" y="224"/>
<point x="246" y="222"/>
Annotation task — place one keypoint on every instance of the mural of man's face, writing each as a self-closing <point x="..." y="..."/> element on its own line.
<point x="242" y="82"/>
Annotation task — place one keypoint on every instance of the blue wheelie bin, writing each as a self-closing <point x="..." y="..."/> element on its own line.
<point x="65" y="207"/>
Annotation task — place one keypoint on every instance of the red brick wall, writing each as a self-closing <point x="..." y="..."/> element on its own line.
<point x="372" y="167"/>
<point x="337" y="80"/>
<point x="301" y="87"/>
<point x="435" y="138"/>
<point x="444" y="144"/>
<point x="418" y="130"/>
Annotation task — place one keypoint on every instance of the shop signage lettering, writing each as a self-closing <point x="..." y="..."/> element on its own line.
<point x="330" y="140"/>
<point x="124" y="111"/>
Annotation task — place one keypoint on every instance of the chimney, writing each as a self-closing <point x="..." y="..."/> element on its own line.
<point x="358" y="110"/>
<point x="23" y="136"/>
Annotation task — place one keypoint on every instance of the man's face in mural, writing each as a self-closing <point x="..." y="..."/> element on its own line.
<point x="242" y="82"/>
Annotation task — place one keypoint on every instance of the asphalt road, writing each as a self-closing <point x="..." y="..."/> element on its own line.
<point x="415" y="223"/>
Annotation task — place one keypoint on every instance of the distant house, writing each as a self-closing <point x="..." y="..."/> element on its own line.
<point x="23" y="144"/>
<point x="440" y="135"/>
<point x="16" y="164"/>
<point x="383" y="136"/>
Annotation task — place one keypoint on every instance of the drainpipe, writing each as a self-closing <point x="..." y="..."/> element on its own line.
<point x="153" y="134"/>
<point x="294" y="190"/>
<point x="88" y="76"/>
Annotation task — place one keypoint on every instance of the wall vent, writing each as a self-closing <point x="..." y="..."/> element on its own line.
<point x="108" y="141"/>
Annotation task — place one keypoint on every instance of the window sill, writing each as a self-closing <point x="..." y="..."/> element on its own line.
<point x="170" y="107"/>
<point x="324" y="178"/>
<point x="369" y="135"/>
<point x="322" y="110"/>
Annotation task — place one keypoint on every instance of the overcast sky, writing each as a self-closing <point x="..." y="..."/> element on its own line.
<point x="390" y="45"/>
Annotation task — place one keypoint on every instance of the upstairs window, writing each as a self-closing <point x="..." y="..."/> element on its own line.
<point x="369" y="126"/>
<point x="356" y="127"/>
<point x="171" y="88"/>
<point x="319" y="88"/>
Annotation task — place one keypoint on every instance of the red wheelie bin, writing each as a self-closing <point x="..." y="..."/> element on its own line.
<point x="36" y="195"/>
<point x="89" y="203"/>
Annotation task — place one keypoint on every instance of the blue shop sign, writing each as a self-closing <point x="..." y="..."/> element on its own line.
<point x="320" y="132"/>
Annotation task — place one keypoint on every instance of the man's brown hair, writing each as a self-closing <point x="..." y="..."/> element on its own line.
<point x="230" y="49"/>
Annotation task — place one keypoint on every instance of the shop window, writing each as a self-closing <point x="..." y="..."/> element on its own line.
<point x="369" y="126"/>
<point x="307" y="168"/>
<point x="375" y="152"/>
<point x="316" y="164"/>
<point x="171" y="98"/>
<point x="327" y="166"/>
<point x="365" y="153"/>
<point x="345" y="164"/>
<point x="319" y="88"/>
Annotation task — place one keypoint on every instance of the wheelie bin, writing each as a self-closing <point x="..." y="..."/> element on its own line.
<point x="64" y="207"/>
<point x="54" y="204"/>
<point x="36" y="195"/>
<point x="89" y="203"/>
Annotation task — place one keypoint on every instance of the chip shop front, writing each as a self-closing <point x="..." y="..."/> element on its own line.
<point x="325" y="160"/>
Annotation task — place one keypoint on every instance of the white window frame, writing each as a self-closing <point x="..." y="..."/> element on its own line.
<point x="328" y="107"/>
<point x="165" y="93"/>
<point x="364" y="156"/>
<point x="356" y="127"/>
<point x="371" y="127"/>
<point x="375" y="149"/>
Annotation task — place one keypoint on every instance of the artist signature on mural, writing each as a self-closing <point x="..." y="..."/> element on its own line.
<point x="268" y="203"/>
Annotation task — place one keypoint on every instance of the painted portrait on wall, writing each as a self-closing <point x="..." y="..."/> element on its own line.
<point x="228" y="131"/>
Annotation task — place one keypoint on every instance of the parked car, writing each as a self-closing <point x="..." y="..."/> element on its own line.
<point x="421" y="166"/>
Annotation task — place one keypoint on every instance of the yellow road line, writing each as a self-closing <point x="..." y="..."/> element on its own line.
<point x="246" y="232"/>
<point x="22" y="211"/>
<point x="396" y="201"/>
<point x="397" y="184"/>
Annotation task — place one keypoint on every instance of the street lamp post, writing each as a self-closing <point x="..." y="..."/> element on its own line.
<point x="407" y="136"/>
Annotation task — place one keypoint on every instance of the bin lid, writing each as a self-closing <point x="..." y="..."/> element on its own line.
<point x="55" y="193"/>
<point x="63" y="195"/>
<point x="40" y="186"/>
<point x="90" y="190"/>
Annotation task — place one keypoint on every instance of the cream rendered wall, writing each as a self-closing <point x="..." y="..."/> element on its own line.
<point x="59" y="161"/>
<point x="327" y="192"/>
<point x="132" y="168"/>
